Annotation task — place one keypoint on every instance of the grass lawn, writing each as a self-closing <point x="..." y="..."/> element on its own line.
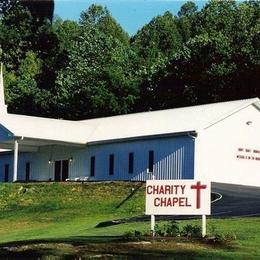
<point x="60" y="220"/>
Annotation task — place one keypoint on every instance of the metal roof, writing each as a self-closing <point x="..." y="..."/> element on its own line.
<point x="138" y="125"/>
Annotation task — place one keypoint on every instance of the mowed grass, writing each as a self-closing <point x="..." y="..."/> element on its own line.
<point x="60" y="219"/>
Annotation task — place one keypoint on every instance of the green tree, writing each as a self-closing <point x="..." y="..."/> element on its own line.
<point x="219" y="62"/>
<point x="5" y="5"/>
<point x="187" y="20"/>
<point x="188" y="9"/>
<point x="99" y="17"/>
<point x="23" y="94"/>
<point x="97" y="80"/>
<point x="21" y="34"/>
<point x="155" y="45"/>
<point x="16" y="35"/>
<point x="40" y="9"/>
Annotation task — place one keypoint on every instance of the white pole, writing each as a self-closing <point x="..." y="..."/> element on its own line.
<point x="153" y="225"/>
<point x="153" y="216"/>
<point x="204" y="225"/>
<point x="15" y="160"/>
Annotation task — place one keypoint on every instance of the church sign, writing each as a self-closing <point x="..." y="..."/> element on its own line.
<point x="178" y="197"/>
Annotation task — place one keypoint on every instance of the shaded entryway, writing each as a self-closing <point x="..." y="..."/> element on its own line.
<point x="61" y="170"/>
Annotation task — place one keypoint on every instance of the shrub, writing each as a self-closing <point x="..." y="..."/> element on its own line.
<point x="133" y="235"/>
<point x="137" y="234"/>
<point x="158" y="231"/>
<point x="128" y="235"/>
<point x="220" y="238"/>
<point x="191" y="231"/>
<point x="172" y="229"/>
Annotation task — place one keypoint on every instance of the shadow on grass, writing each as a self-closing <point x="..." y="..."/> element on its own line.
<point x="73" y="240"/>
<point x="129" y="196"/>
<point x="106" y="247"/>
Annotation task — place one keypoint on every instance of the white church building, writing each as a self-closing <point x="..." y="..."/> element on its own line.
<point x="217" y="142"/>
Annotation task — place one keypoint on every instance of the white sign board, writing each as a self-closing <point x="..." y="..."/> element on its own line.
<point x="178" y="197"/>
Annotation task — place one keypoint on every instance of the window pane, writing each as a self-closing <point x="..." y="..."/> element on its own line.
<point x="27" y="171"/>
<point x="92" y="166"/>
<point x="151" y="161"/>
<point x="131" y="163"/>
<point x="111" y="164"/>
<point x="6" y="179"/>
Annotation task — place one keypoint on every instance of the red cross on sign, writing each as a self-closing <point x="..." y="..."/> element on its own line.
<point x="198" y="187"/>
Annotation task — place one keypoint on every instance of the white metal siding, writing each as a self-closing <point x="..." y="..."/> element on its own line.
<point x="173" y="159"/>
<point x="217" y="150"/>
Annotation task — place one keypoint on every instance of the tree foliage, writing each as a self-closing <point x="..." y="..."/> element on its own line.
<point x="40" y="9"/>
<point x="92" y="68"/>
<point x="97" y="80"/>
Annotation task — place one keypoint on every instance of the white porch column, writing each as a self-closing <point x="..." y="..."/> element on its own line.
<point x="15" y="160"/>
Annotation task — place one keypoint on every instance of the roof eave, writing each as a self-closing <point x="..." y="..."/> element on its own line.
<point x="54" y="141"/>
<point x="191" y="133"/>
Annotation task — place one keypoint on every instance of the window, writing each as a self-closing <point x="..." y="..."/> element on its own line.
<point x="6" y="177"/>
<point x="27" y="171"/>
<point x="111" y="164"/>
<point x="150" y="161"/>
<point x="92" y="166"/>
<point x="131" y="163"/>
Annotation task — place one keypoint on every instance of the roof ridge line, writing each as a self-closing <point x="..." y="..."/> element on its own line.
<point x="228" y="114"/>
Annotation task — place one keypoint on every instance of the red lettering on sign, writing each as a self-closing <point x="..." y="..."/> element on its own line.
<point x="171" y="202"/>
<point x="167" y="189"/>
<point x="157" y="202"/>
<point x="149" y="189"/>
<point x="182" y="202"/>
<point x="198" y="187"/>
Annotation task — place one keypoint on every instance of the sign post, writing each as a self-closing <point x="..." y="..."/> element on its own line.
<point x="153" y="216"/>
<point x="204" y="226"/>
<point x="153" y="225"/>
<point x="178" y="197"/>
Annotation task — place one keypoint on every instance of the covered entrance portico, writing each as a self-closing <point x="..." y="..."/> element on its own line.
<point x="38" y="152"/>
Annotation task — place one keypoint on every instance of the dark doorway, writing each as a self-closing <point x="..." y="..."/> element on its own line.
<point x="61" y="170"/>
<point x="6" y="177"/>
<point x="27" y="171"/>
<point x="57" y="170"/>
<point x="65" y="170"/>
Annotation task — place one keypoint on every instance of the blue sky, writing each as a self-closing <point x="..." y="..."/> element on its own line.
<point x="131" y="14"/>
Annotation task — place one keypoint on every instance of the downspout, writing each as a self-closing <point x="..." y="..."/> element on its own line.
<point x="195" y="153"/>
